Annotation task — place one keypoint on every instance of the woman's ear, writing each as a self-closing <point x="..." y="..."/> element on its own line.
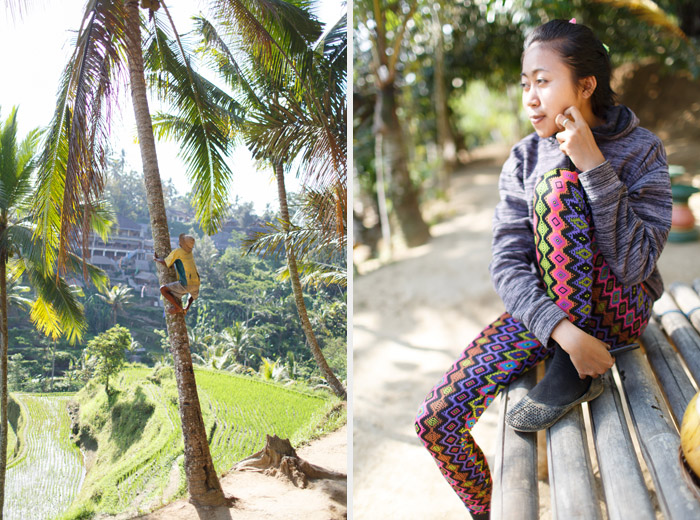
<point x="588" y="85"/>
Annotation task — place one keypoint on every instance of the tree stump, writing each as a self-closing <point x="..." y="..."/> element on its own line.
<point x="278" y="458"/>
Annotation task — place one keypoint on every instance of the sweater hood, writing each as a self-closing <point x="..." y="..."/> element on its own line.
<point x="619" y="121"/>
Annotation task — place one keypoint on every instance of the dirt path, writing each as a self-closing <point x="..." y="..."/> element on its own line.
<point x="261" y="497"/>
<point x="411" y="320"/>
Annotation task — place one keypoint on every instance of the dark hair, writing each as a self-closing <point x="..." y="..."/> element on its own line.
<point x="583" y="53"/>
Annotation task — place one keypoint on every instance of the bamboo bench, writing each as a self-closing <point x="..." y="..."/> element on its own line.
<point x="656" y="386"/>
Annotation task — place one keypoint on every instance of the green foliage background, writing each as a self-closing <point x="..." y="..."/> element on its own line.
<point x="482" y="41"/>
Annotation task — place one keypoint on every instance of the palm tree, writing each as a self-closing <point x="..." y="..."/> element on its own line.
<point x="216" y="356"/>
<point x="239" y="338"/>
<point x="72" y="173"/>
<point x="328" y="375"/>
<point x="321" y="261"/>
<point x="295" y="94"/>
<point x="109" y="51"/>
<point x="117" y="298"/>
<point x="55" y="309"/>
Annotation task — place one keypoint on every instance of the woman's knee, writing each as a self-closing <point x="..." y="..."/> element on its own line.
<point x="558" y="191"/>
<point x="424" y="417"/>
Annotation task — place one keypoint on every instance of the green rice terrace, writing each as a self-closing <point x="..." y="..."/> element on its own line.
<point x="132" y="441"/>
<point x="42" y="462"/>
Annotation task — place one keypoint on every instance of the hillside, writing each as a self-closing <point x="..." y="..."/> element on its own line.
<point x="133" y="442"/>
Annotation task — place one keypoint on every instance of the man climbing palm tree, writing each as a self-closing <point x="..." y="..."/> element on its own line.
<point x="188" y="282"/>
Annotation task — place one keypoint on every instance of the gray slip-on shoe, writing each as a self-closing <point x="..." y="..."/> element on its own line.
<point x="529" y="415"/>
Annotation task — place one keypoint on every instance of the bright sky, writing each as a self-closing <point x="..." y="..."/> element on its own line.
<point x="34" y="49"/>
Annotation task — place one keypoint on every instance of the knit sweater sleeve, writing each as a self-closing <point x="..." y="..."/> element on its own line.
<point x="514" y="257"/>
<point x="631" y="221"/>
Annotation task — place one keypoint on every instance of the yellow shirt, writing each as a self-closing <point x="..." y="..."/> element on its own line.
<point x="184" y="264"/>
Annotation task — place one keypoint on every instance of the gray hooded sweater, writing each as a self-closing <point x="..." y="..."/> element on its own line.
<point x="630" y="200"/>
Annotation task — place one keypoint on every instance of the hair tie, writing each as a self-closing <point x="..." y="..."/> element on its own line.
<point x="573" y="20"/>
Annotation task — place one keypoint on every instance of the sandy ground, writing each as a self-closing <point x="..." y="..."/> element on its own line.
<point x="412" y="318"/>
<point x="262" y="497"/>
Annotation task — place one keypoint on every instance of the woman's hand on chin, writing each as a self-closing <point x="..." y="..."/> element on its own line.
<point x="576" y="140"/>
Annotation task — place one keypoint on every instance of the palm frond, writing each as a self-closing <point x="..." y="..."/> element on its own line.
<point x="102" y="218"/>
<point x="277" y="33"/>
<point x="20" y="238"/>
<point x="26" y="165"/>
<point x="223" y="60"/>
<point x="16" y="298"/>
<point x="71" y="173"/>
<point x="56" y="311"/>
<point x="97" y="276"/>
<point x="302" y="119"/>
<point x="8" y="158"/>
<point x="317" y="274"/>
<point x="204" y="114"/>
<point x="271" y="240"/>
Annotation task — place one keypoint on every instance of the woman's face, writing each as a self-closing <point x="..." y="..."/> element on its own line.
<point x="548" y="88"/>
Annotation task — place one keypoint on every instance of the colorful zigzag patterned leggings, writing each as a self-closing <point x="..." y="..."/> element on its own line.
<point x="579" y="280"/>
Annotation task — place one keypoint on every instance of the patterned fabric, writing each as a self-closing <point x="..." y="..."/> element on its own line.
<point x="501" y="353"/>
<point x="576" y="275"/>
<point x="580" y="282"/>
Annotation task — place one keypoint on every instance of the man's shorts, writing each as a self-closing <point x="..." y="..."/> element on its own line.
<point x="180" y="290"/>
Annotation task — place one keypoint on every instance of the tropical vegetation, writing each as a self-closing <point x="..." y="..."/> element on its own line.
<point x="55" y="309"/>
<point x="302" y="74"/>
<point x="134" y="441"/>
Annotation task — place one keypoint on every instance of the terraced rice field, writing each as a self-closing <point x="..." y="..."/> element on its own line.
<point x="245" y="411"/>
<point x="143" y="472"/>
<point x="47" y="474"/>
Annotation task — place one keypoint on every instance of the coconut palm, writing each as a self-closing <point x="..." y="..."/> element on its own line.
<point x="54" y="309"/>
<point x="239" y="338"/>
<point x="117" y="298"/>
<point x="110" y="53"/>
<point x="320" y="258"/>
<point x="294" y="90"/>
<point x="216" y="356"/>
<point x="73" y="162"/>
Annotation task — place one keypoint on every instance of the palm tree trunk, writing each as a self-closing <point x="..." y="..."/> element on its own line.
<point x="402" y="191"/>
<point x="298" y="295"/>
<point x="3" y="378"/>
<point x="202" y="481"/>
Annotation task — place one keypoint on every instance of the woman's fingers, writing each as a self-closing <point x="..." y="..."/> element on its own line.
<point x="574" y="114"/>
<point x="561" y="120"/>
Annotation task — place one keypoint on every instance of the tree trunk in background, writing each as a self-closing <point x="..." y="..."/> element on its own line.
<point x="299" y="295"/>
<point x="3" y="378"/>
<point x="402" y="192"/>
<point x="202" y="482"/>
<point x="381" y="192"/>
<point x="53" y="363"/>
<point x="447" y="147"/>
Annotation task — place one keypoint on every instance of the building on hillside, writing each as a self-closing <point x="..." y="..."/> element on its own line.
<point x="127" y="257"/>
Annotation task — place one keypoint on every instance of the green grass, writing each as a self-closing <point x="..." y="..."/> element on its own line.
<point x="139" y="441"/>
<point x="46" y="475"/>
